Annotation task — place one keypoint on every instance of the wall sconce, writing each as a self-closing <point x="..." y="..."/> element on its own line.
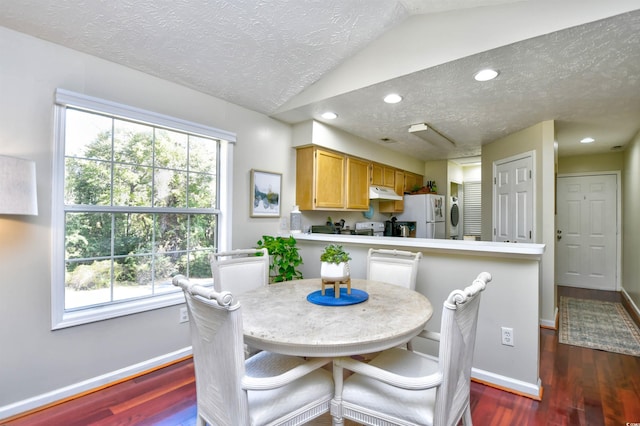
<point x="18" y="186"/>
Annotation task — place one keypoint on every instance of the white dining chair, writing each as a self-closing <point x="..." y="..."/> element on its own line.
<point x="407" y="388"/>
<point x="240" y="270"/>
<point x="266" y="389"/>
<point x="393" y="266"/>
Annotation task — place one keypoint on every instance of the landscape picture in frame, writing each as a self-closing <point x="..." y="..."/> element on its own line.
<point x="266" y="188"/>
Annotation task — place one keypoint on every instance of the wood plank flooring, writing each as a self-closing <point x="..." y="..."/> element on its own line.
<point x="581" y="387"/>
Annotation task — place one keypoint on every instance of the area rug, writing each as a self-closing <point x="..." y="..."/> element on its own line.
<point x="598" y="325"/>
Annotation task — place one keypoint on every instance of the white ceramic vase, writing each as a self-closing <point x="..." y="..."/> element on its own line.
<point x="334" y="271"/>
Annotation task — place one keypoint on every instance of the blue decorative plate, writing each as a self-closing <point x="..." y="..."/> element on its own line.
<point x="356" y="296"/>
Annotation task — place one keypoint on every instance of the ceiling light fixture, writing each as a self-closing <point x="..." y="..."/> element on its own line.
<point x="329" y="115"/>
<point x="392" y="98"/>
<point x="587" y="140"/>
<point x="485" y="75"/>
<point x="431" y="135"/>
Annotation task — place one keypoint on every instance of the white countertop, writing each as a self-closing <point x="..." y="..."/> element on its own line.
<point x="462" y="246"/>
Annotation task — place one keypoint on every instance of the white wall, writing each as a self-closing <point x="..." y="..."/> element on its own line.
<point x="631" y="221"/>
<point x="317" y="133"/>
<point x="33" y="359"/>
<point x="538" y="138"/>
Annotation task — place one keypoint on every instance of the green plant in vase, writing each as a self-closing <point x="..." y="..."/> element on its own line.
<point x="335" y="263"/>
<point x="334" y="253"/>
<point x="284" y="258"/>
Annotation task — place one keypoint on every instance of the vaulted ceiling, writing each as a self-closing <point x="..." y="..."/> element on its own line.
<point x="576" y="62"/>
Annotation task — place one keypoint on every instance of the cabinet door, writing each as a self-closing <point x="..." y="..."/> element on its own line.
<point x="389" y="177"/>
<point x="329" y="180"/>
<point x="357" y="184"/>
<point x="395" y="206"/>
<point x="382" y="175"/>
<point x="399" y="187"/>
<point x="377" y="174"/>
<point x="412" y="181"/>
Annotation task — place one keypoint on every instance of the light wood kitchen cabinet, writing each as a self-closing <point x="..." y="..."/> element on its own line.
<point x="357" y="184"/>
<point x="412" y="181"/>
<point x="377" y="176"/>
<point x="395" y="206"/>
<point x="328" y="180"/>
<point x="382" y="175"/>
<point x="320" y="179"/>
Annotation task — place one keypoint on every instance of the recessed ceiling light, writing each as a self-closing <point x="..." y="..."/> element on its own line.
<point x="392" y="98"/>
<point x="329" y="115"/>
<point x="485" y="75"/>
<point x="587" y="140"/>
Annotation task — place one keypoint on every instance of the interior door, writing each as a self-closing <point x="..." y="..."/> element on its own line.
<point x="586" y="235"/>
<point x="513" y="200"/>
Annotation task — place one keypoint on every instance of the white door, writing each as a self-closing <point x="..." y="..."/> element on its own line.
<point x="586" y="241"/>
<point x="513" y="200"/>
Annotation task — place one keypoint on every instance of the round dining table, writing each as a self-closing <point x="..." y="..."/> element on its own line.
<point x="279" y="318"/>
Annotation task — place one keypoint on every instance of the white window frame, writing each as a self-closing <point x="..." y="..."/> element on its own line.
<point x="63" y="99"/>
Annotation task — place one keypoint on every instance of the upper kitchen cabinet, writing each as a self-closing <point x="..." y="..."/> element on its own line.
<point x="382" y="175"/>
<point x="395" y="206"/>
<point x="412" y="181"/>
<point x="328" y="180"/>
<point x="357" y="184"/>
<point x="320" y="179"/>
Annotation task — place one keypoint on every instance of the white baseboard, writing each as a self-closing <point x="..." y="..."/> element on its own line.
<point x="507" y="384"/>
<point x="631" y="302"/>
<point x="532" y="390"/>
<point x="87" y="385"/>
<point x="546" y="323"/>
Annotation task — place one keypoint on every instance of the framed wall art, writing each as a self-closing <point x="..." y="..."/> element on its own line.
<point x="266" y="188"/>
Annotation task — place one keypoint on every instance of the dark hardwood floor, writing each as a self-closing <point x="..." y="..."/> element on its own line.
<point x="581" y="387"/>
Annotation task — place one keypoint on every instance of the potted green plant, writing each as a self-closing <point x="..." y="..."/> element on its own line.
<point x="284" y="258"/>
<point x="335" y="263"/>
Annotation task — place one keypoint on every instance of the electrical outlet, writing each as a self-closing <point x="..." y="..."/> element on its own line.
<point x="507" y="336"/>
<point x="184" y="316"/>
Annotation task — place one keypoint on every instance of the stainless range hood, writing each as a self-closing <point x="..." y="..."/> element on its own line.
<point x="382" y="193"/>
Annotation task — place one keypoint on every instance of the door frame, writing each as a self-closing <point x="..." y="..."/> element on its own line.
<point x="534" y="195"/>
<point x="618" y="176"/>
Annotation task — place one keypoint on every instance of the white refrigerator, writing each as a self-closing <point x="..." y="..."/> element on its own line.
<point x="428" y="211"/>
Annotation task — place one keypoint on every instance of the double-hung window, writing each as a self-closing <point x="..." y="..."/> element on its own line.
<point x="136" y="202"/>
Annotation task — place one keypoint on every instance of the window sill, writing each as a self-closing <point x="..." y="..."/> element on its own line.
<point x="94" y="314"/>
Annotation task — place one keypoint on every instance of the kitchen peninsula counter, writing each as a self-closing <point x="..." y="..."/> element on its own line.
<point x="459" y="246"/>
<point x="510" y="300"/>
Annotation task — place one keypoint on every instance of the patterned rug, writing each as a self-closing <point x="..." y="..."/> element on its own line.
<point x="599" y="325"/>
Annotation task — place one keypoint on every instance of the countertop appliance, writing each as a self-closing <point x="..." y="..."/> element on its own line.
<point x="370" y="228"/>
<point x="428" y="211"/>
<point x="404" y="228"/>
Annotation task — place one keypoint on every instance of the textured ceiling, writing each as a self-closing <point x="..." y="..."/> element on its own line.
<point x="270" y="56"/>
